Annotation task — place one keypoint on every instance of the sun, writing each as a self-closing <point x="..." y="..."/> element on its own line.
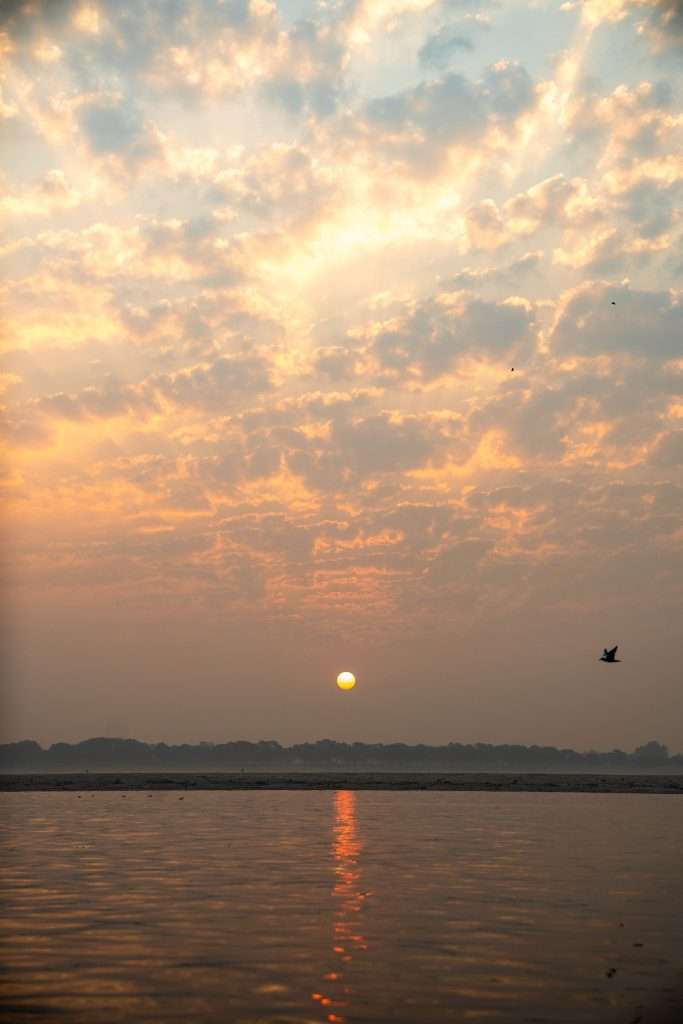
<point x="346" y="680"/>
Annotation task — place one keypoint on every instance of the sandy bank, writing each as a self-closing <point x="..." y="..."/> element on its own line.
<point x="398" y="781"/>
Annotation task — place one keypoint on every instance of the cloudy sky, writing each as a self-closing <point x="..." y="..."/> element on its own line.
<point x="267" y="268"/>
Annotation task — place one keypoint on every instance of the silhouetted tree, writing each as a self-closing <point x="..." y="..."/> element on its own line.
<point x="116" y="754"/>
<point x="652" y="752"/>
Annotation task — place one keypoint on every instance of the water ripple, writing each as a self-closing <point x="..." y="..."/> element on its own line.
<point x="344" y="908"/>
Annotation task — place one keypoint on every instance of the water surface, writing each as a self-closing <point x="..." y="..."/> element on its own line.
<point x="341" y="907"/>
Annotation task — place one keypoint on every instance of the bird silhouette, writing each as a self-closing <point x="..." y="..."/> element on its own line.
<point x="610" y="656"/>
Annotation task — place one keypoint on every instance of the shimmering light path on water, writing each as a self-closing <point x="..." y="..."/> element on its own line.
<point x="340" y="907"/>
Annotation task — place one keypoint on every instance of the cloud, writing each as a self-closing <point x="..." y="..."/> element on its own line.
<point x="508" y="89"/>
<point x="508" y="275"/>
<point x="24" y="23"/>
<point x="643" y="324"/>
<point x="441" y="48"/>
<point x="48" y="196"/>
<point x="449" y="109"/>
<point x="432" y="339"/>
<point x="532" y="422"/>
<point x="651" y="206"/>
<point x="551" y="204"/>
<point x="456" y="564"/>
<point x="310" y="76"/>
<point x="668" y="451"/>
<point x="110" y="125"/>
<point x="119" y="136"/>
<point x="217" y="385"/>
<point x="337" y="444"/>
<point x="280" y="184"/>
<point x="484" y="225"/>
<point x="384" y="443"/>
<point x="551" y="201"/>
<point x="114" y="400"/>
<point x="337" y="362"/>
<point x="622" y="221"/>
<point x="662" y="22"/>
<point x="418" y="126"/>
<point x="632" y="122"/>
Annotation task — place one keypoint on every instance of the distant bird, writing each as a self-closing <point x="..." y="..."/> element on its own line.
<point x="610" y="656"/>
<point x="613" y="303"/>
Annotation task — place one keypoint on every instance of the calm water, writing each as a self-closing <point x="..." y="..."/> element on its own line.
<point x="340" y="907"/>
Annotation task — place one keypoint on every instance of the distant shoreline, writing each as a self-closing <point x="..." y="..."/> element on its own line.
<point x="496" y="782"/>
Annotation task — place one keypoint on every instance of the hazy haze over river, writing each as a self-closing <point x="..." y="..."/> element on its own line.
<point x="341" y="907"/>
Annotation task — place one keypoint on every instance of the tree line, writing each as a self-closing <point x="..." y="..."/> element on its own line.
<point x="102" y="754"/>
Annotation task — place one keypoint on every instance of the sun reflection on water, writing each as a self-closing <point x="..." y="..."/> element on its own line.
<point x="347" y="937"/>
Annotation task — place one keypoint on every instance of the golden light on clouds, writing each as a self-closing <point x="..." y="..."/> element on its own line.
<point x="266" y="277"/>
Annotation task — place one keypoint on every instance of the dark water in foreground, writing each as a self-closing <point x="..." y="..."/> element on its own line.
<point x="341" y="907"/>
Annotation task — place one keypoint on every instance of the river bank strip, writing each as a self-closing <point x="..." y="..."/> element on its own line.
<point x="508" y="782"/>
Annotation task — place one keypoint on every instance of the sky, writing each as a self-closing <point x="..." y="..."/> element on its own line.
<point x="342" y="335"/>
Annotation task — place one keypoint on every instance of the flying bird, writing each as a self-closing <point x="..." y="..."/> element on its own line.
<point x="610" y="656"/>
